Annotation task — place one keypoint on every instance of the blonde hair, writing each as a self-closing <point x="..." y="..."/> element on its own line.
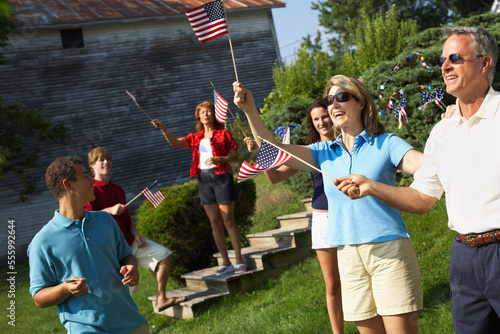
<point x="369" y="114"/>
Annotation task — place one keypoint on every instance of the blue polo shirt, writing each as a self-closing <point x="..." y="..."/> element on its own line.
<point x="92" y="248"/>
<point x="367" y="219"/>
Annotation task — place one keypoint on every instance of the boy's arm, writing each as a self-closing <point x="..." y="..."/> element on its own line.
<point x="55" y="295"/>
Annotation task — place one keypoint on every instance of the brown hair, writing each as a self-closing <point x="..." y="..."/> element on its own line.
<point x="60" y="169"/>
<point x="313" y="135"/>
<point x="96" y="154"/>
<point x="209" y="105"/>
<point x="369" y="114"/>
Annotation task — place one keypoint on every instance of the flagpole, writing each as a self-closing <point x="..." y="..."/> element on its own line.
<point x="230" y="112"/>
<point x="133" y="199"/>
<point x="135" y="102"/>
<point x="230" y="43"/>
<point x="141" y="110"/>
<point x="304" y="162"/>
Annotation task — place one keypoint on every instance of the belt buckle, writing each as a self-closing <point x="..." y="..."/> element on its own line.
<point x="471" y="241"/>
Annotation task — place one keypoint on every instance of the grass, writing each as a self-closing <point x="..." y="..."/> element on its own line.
<point x="292" y="303"/>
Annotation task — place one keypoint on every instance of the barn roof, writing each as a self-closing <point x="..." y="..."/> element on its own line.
<point x="41" y="13"/>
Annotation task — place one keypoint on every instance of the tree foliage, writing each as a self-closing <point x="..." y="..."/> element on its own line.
<point x="335" y="14"/>
<point x="304" y="76"/>
<point x="411" y="77"/>
<point x="380" y="38"/>
<point x="23" y="132"/>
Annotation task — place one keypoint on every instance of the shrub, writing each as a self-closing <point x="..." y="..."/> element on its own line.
<point x="180" y="224"/>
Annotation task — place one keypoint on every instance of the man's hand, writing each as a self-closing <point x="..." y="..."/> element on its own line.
<point x="130" y="275"/>
<point x="77" y="286"/>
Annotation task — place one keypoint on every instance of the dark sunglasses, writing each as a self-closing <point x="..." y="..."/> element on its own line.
<point x="340" y="97"/>
<point x="454" y="57"/>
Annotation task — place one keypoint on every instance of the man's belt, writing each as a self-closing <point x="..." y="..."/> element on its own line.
<point x="475" y="240"/>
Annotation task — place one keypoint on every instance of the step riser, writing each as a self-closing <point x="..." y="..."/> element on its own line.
<point x="299" y="222"/>
<point x="271" y="242"/>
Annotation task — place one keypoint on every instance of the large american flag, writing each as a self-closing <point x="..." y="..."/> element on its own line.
<point x="267" y="158"/>
<point x="220" y="108"/>
<point x="208" y="20"/>
<point x="153" y="194"/>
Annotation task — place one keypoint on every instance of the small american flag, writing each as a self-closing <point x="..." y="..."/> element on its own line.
<point x="132" y="97"/>
<point x="401" y="114"/>
<point x="284" y="132"/>
<point x="220" y="108"/>
<point x="208" y="20"/>
<point x="267" y="158"/>
<point x="153" y="194"/>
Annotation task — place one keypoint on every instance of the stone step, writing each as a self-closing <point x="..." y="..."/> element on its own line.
<point x="198" y="301"/>
<point x="307" y="203"/>
<point x="267" y="258"/>
<point x="304" y="219"/>
<point x="206" y="279"/>
<point x="281" y="237"/>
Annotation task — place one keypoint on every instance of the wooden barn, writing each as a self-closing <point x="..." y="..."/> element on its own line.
<point x="75" y="58"/>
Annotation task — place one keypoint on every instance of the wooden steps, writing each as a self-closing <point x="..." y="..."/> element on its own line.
<point x="270" y="252"/>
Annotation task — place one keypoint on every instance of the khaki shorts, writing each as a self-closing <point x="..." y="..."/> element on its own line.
<point x="149" y="254"/>
<point x="379" y="278"/>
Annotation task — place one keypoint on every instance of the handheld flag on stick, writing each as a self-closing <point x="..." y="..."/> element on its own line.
<point x="153" y="194"/>
<point x="269" y="161"/>
<point x="220" y="108"/>
<point x="216" y="98"/>
<point x="209" y="22"/>
<point x="132" y="98"/>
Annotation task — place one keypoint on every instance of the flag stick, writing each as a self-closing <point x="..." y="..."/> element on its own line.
<point x="138" y="106"/>
<point x="133" y="199"/>
<point x="230" y="112"/>
<point x="304" y="162"/>
<point x="230" y="43"/>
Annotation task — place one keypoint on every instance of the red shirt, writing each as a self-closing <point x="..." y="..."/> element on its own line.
<point x="107" y="195"/>
<point x="221" y="142"/>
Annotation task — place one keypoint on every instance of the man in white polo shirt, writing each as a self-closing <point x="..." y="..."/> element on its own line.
<point x="461" y="159"/>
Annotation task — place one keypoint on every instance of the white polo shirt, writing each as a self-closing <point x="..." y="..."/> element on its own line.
<point x="462" y="159"/>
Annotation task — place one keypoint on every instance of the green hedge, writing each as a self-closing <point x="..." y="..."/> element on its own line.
<point x="180" y="224"/>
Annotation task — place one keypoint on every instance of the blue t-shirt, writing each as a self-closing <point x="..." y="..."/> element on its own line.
<point x="367" y="219"/>
<point x="92" y="248"/>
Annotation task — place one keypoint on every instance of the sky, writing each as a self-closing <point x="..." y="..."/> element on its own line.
<point x="293" y="22"/>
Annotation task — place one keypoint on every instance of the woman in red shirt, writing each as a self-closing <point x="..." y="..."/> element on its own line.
<point x="213" y="149"/>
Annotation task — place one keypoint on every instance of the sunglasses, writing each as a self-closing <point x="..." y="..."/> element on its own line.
<point x="454" y="58"/>
<point x="340" y="97"/>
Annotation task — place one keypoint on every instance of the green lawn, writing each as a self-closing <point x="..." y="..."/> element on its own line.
<point x="292" y="303"/>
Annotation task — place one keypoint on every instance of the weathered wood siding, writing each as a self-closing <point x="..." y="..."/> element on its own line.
<point x="161" y="62"/>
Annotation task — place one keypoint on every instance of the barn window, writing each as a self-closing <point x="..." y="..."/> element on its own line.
<point x="72" y="38"/>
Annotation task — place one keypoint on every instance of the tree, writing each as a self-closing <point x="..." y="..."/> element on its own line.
<point x="381" y="38"/>
<point x="23" y="131"/>
<point x="335" y="14"/>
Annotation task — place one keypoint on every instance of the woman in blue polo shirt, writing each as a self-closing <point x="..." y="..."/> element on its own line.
<point x="381" y="288"/>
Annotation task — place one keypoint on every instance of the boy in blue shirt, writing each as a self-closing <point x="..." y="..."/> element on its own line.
<point x="80" y="261"/>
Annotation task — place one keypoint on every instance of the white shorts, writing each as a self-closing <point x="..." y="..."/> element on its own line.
<point x="318" y="230"/>
<point x="149" y="254"/>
